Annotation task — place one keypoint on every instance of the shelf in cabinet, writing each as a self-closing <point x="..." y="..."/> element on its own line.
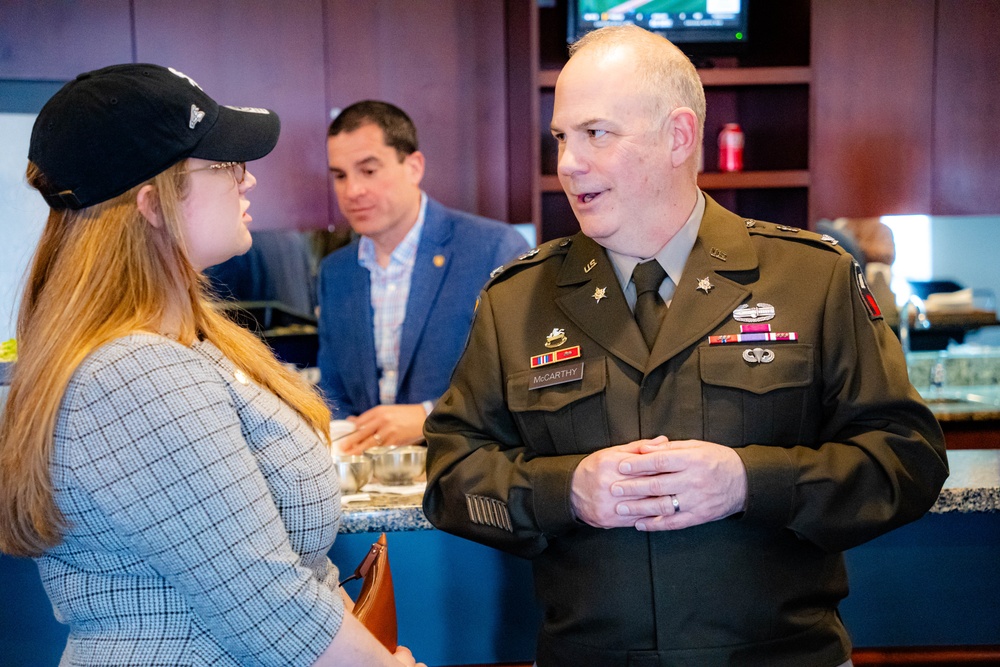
<point x="550" y="184"/>
<point x="742" y="180"/>
<point x="724" y="76"/>
<point x="792" y="178"/>
<point x="755" y="76"/>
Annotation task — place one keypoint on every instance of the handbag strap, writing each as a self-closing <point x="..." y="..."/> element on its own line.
<point x="366" y="564"/>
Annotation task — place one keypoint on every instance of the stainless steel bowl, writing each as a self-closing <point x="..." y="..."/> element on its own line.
<point x="397" y="466"/>
<point x="354" y="471"/>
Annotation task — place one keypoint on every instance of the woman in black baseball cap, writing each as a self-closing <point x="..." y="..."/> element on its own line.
<point x="171" y="478"/>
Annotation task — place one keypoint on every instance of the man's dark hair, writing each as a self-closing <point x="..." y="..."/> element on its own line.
<point x="397" y="128"/>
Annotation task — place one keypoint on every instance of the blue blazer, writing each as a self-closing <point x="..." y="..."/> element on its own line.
<point x="439" y="310"/>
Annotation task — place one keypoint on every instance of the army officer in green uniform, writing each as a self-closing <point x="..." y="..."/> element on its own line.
<point x="684" y="477"/>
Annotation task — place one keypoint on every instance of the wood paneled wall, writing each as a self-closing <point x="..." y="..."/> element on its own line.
<point x="255" y="53"/>
<point x="905" y="108"/>
<point x="872" y="107"/>
<point x="445" y="62"/>
<point x="966" y="137"/>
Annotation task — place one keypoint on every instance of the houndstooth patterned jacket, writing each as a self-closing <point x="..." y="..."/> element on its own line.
<point x="200" y="511"/>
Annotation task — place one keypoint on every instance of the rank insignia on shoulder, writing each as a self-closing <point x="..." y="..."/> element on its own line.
<point x="871" y="305"/>
<point x="786" y="228"/>
<point x="531" y="253"/>
<point x="497" y="271"/>
<point x="829" y="239"/>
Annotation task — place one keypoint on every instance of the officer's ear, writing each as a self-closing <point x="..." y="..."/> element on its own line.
<point x="682" y="135"/>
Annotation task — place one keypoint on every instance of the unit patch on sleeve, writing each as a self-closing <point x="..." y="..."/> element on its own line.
<point x="874" y="312"/>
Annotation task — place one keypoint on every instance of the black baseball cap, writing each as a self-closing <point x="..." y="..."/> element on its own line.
<point x="111" y="129"/>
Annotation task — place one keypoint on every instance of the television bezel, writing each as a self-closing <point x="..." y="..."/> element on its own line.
<point x="716" y="42"/>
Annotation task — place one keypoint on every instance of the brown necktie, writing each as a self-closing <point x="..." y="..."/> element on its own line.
<point x="649" y="307"/>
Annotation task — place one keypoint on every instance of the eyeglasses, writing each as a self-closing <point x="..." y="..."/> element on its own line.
<point x="237" y="169"/>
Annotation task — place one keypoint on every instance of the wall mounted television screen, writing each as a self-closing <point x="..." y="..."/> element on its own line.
<point x="680" y="21"/>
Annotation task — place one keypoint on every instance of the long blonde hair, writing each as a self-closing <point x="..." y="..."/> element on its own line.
<point x="100" y="273"/>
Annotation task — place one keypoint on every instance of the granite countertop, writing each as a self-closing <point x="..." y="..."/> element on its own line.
<point x="964" y="403"/>
<point x="973" y="487"/>
<point x="971" y="382"/>
<point x="385" y="513"/>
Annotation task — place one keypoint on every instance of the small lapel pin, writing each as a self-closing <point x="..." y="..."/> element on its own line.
<point x="556" y="338"/>
<point x="718" y="254"/>
<point x="439" y="261"/>
<point x="600" y="293"/>
<point x="590" y="265"/>
<point x="705" y="285"/>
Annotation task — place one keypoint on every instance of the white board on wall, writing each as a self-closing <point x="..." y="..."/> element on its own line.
<point x="22" y="216"/>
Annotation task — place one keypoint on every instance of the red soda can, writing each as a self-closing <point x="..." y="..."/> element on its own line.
<point x="731" y="148"/>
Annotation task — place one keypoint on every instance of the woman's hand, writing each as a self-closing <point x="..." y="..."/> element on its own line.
<point x="405" y="657"/>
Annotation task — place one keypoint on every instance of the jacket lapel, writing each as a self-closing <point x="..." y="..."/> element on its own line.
<point x="429" y="270"/>
<point x="723" y="247"/>
<point x="360" y="336"/>
<point x="609" y="320"/>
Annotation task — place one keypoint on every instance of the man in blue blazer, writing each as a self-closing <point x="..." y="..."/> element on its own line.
<point x="396" y="304"/>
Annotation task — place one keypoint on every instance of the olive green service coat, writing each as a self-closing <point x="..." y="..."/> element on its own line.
<point x="837" y="445"/>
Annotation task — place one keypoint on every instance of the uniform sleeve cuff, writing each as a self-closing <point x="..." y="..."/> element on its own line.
<point x="551" y="482"/>
<point x="770" y="484"/>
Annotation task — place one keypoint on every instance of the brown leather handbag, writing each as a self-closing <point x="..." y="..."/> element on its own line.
<point x="376" y="603"/>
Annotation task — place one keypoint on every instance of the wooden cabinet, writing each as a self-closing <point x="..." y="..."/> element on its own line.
<point x="770" y="99"/>
<point x="966" y="137"/>
<point x="905" y="112"/>
<point x="872" y="88"/>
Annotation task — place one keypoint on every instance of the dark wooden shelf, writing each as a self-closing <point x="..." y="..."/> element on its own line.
<point x="755" y="76"/>
<point x="741" y="180"/>
<point x="724" y="76"/>
<point x="792" y="178"/>
<point x="550" y="183"/>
